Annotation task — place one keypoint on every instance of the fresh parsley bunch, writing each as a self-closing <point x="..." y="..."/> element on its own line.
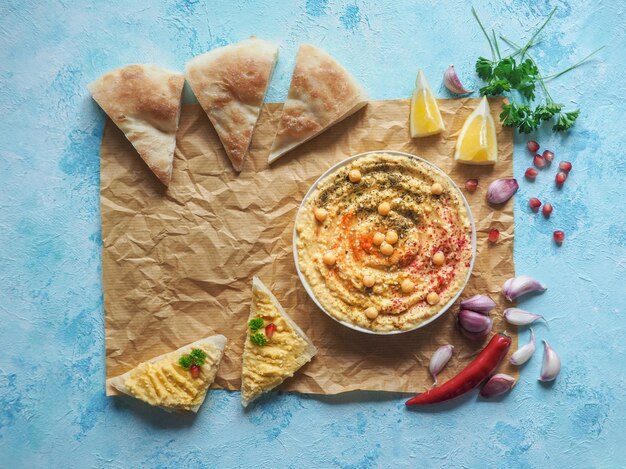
<point x="519" y="72"/>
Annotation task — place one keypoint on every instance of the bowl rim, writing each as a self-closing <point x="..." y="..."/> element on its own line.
<point x="305" y="282"/>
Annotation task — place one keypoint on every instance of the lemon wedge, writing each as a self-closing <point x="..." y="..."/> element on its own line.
<point x="477" y="143"/>
<point x="425" y="116"/>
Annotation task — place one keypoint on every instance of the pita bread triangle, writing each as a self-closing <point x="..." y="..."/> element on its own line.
<point x="322" y="93"/>
<point x="230" y="83"/>
<point x="175" y="392"/>
<point x="288" y="349"/>
<point x="144" y="102"/>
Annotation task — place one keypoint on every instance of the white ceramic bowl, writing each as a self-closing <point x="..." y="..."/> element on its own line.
<point x="445" y="307"/>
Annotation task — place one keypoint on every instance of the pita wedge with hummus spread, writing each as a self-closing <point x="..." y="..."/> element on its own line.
<point x="230" y="84"/>
<point x="322" y="93"/>
<point x="275" y="346"/>
<point x="144" y="102"/>
<point x="175" y="381"/>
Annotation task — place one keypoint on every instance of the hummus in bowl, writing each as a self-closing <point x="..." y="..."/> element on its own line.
<point x="384" y="242"/>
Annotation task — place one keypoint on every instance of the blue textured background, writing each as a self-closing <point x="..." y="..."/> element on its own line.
<point x="53" y="411"/>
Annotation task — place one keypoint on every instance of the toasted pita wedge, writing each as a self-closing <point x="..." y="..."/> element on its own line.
<point x="162" y="382"/>
<point x="230" y="84"/>
<point x="144" y="102"/>
<point x="322" y="93"/>
<point x="286" y="351"/>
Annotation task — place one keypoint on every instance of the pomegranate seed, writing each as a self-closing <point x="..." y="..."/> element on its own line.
<point x="494" y="235"/>
<point x="532" y="146"/>
<point x="471" y="184"/>
<point x="270" y="329"/>
<point x="531" y="174"/>
<point x="547" y="209"/>
<point x="534" y="203"/>
<point x="558" y="236"/>
<point x="539" y="161"/>
<point x="560" y="178"/>
<point x="195" y="371"/>
<point x="565" y="166"/>
<point x="548" y="156"/>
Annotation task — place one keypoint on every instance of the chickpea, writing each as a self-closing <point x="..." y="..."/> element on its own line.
<point x="384" y="208"/>
<point x="386" y="249"/>
<point x="432" y="298"/>
<point x="371" y="313"/>
<point x="354" y="175"/>
<point x="369" y="281"/>
<point x="439" y="258"/>
<point x="407" y="286"/>
<point x="391" y="237"/>
<point x="329" y="258"/>
<point x="436" y="189"/>
<point x="320" y="214"/>
<point x="378" y="289"/>
<point x="378" y="238"/>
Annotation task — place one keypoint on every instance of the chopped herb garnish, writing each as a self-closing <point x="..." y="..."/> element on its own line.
<point x="255" y="324"/>
<point x="185" y="361"/>
<point x="195" y="357"/>
<point x="258" y="339"/>
<point x="198" y="356"/>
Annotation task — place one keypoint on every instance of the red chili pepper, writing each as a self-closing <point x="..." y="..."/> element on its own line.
<point x="472" y="375"/>
<point x="195" y="371"/>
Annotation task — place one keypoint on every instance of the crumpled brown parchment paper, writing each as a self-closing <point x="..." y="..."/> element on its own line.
<point x="178" y="264"/>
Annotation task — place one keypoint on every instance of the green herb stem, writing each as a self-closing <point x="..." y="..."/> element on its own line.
<point x="532" y="39"/>
<point x="495" y="42"/>
<point x="580" y="62"/>
<point x="493" y="53"/>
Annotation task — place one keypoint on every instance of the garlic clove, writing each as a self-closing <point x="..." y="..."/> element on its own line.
<point x="473" y="322"/>
<point x="521" y="285"/>
<point x="501" y="190"/>
<point x="479" y="304"/>
<point x="506" y="286"/>
<point x="439" y="360"/>
<point x="452" y="82"/>
<point x="497" y="385"/>
<point x="519" y="317"/>
<point x="478" y="335"/>
<point x="551" y="365"/>
<point x="524" y="353"/>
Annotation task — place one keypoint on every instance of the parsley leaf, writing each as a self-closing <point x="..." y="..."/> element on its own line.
<point x="484" y="68"/>
<point x="527" y="89"/>
<point x="512" y="114"/>
<point x="255" y="324"/>
<point x="185" y="361"/>
<point x="198" y="356"/>
<point x="529" y="68"/>
<point x="547" y="111"/>
<point x="520" y="116"/>
<point x="504" y="69"/>
<point x="258" y="339"/>
<point x="566" y="120"/>
<point x="495" y="87"/>
<point x="528" y="125"/>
